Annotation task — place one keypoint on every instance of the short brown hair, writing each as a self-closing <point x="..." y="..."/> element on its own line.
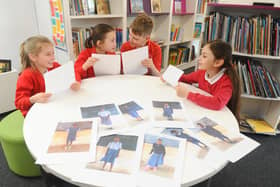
<point x="142" y="25"/>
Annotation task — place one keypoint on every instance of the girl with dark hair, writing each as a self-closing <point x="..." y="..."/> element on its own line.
<point x="102" y="40"/>
<point x="217" y="76"/>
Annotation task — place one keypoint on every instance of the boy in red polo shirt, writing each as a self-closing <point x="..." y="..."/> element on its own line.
<point x="139" y="36"/>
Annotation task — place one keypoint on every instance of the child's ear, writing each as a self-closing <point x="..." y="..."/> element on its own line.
<point x="32" y="57"/>
<point x="148" y="37"/>
<point x="219" y="62"/>
<point x="98" y="43"/>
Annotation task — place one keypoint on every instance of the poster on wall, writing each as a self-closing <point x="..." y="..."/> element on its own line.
<point x="57" y="23"/>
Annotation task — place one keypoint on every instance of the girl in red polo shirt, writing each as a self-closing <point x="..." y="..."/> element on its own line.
<point x="37" y="57"/>
<point x="139" y="36"/>
<point x="217" y="76"/>
<point x="101" y="41"/>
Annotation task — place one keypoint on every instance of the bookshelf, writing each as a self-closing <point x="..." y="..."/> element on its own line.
<point x="253" y="47"/>
<point x="8" y="81"/>
<point x="122" y="15"/>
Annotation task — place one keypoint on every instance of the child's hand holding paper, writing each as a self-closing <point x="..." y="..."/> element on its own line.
<point x="172" y="75"/>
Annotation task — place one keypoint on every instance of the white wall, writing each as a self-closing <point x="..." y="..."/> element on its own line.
<point x="43" y="13"/>
<point x="20" y="19"/>
<point x="17" y="22"/>
<point x="250" y="2"/>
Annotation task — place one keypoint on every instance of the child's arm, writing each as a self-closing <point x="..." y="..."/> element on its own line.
<point x="215" y="102"/>
<point x="75" y="86"/>
<point x="24" y="98"/>
<point x="82" y="64"/>
<point x="155" y="64"/>
<point x="40" y="98"/>
<point x="152" y="69"/>
<point x="192" y="77"/>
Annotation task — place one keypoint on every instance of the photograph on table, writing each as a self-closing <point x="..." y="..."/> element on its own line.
<point x="133" y="112"/>
<point x="196" y="146"/>
<point x="197" y="152"/>
<point x="117" y="161"/>
<point x="108" y="115"/>
<point x="116" y="153"/>
<point x="233" y="144"/>
<point x="216" y="134"/>
<point x="169" y="111"/>
<point x="70" y="139"/>
<point x="161" y="159"/>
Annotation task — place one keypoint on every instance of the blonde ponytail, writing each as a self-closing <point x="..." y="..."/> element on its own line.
<point x="32" y="45"/>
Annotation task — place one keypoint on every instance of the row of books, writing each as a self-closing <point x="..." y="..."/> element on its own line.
<point x="178" y="55"/>
<point x="79" y="36"/>
<point x="201" y="4"/>
<point x="88" y="7"/>
<point x="148" y="6"/>
<point x="256" y="79"/>
<point x="176" y="33"/>
<point x="254" y="35"/>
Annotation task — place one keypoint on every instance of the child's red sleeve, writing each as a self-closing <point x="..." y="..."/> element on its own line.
<point x="217" y="101"/>
<point x="191" y="77"/>
<point x="78" y="66"/>
<point x="156" y="56"/>
<point x="23" y="93"/>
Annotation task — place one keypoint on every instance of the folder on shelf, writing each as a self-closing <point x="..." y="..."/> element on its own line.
<point x="260" y="126"/>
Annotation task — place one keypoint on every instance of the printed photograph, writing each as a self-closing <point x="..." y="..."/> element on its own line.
<point x="116" y="153"/>
<point x="108" y="116"/>
<point x="103" y="7"/>
<point x="168" y="111"/>
<point x="133" y="113"/>
<point x="5" y="65"/>
<point x="159" y="155"/>
<point x="155" y="5"/>
<point x="71" y="137"/>
<point x="136" y="6"/>
<point x="195" y="146"/>
<point x="215" y="134"/>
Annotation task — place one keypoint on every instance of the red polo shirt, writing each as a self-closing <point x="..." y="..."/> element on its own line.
<point x="221" y="90"/>
<point x="30" y="82"/>
<point x="82" y="58"/>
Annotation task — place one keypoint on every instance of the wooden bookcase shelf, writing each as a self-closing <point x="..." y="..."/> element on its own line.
<point x="253" y="106"/>
<point x="121" y="17"/>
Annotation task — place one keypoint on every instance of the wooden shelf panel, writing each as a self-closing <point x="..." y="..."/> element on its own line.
<point x="260" y="98"/>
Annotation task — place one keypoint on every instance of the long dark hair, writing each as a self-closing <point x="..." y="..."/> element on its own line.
<point x="223" y="50"/>
<point x="98" y="32"/>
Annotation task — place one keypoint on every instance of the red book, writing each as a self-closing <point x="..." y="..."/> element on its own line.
<point x="175" y="34"/>
<point x="251" y="77"/>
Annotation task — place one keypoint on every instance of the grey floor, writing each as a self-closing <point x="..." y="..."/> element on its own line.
<point x="260" y="168"/>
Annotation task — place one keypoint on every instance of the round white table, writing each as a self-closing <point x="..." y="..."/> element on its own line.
<point x="42" y="118"/>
